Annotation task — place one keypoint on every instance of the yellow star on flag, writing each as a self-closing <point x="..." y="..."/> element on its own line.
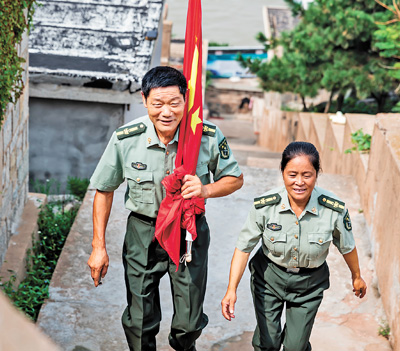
<point x="195" y="120"/>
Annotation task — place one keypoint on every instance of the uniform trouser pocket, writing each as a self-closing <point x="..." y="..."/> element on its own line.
<point x="272" y="289"/>
<point x="145" y="262"/>
<point x="188" y="287"/>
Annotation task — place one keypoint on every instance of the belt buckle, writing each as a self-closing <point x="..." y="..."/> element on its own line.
<point x="293" y="270"/>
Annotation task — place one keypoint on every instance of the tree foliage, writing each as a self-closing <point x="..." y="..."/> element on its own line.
<point x="331" y="48"/>
<point x="387" y="39"/>
<point x="13" y="23"/>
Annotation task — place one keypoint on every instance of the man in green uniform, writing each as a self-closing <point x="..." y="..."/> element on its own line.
<point x="143" y="152"/>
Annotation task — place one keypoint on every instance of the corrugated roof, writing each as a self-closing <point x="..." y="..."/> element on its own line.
<point x="79" y="42"/>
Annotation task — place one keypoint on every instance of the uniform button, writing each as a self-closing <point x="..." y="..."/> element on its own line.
<point x="167" y="172"/>
<point x="138" y="179"/>
<point x="297" y="222"/>
<point x="295" y="249"/>
<point x="272" y="239"/>
<point x="296" y="236"/>
<point x="320" y="240"/>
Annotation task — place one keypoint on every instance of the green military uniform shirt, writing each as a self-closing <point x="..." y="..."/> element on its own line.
<point x="293" y="242"/>
<point x="135" y="153"/>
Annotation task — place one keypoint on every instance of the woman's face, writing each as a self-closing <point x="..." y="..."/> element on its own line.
<point x="299" y="177"/>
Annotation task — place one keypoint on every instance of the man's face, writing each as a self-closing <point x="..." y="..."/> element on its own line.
<point x="165" y="107"/>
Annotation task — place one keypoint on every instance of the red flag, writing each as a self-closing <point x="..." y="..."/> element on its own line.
<point x="175" y="212"/>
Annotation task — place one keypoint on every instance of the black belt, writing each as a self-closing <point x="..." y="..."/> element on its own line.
<point x="149" y="220"/>
<point x="296" y="270"/>
<point x="152" y="221"/>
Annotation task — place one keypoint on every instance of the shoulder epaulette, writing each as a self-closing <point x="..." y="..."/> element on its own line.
<point x="262" y="201"/>
<point x="209" y="130"/>
<point x="126" y="132"/>
<point x="331" y="203"/>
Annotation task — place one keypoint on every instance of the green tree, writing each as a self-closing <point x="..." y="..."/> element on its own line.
<point x="287" y="74"/>
<point x="331" y="48"/>
<point x="387" y="39"/>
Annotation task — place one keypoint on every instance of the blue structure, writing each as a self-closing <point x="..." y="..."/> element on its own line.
<point x="222" y="61"/>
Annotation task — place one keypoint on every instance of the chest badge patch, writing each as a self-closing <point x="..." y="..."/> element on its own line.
<point x="139" y="166"/>
<point x="274" y="226"/>
<point x="347" y="221"/>
<point x="224" y="149"/>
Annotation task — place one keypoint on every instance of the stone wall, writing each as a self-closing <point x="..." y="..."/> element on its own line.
<point x="377" y="176"/>
<point x="14" y="160"/>
<point x="224" y="98"/>
<point x="67" y="138"/>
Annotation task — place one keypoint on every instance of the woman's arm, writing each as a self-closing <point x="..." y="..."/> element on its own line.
<point x="238" y="265"/>
<point x="359" y="285"/>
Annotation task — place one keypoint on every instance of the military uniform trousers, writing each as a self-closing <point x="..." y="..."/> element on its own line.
<point x="272" y="287"/>
<point x="145" y="263"/>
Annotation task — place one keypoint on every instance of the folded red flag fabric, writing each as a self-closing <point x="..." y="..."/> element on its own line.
<point x="175" y="212"/>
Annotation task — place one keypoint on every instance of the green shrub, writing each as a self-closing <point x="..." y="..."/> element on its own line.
<point x="361" y="141"/>
<point x="13" y="24"/>
<point x="54" y="226"/>
<point x="384" y="329"/>
<point x="77" y="186"/>
<point x="49" y="186"/>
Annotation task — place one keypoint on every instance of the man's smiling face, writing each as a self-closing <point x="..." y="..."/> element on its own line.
<point x="165" y="108"/>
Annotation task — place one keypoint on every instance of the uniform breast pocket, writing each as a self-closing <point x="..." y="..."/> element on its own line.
<point x="275" y="241"/>
<point x="203" y="173"/>
<point x="141" y="185"/>
<point x="318" y="244"/>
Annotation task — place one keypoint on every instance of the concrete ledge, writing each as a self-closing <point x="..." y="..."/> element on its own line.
<point x="319" y="122"/>
<point x="304" y="126"/>
<point x="332" y="153"/>
<point x="354" y="123"/>
<point x="21" y="241"/>
<point x="17" y="333"/>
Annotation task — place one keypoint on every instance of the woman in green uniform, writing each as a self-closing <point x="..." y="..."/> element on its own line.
<point x="297" y="224"/>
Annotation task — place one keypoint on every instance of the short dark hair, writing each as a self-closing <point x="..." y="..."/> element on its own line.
<point x="301" y="148"/>
<point x="163" y="76"/>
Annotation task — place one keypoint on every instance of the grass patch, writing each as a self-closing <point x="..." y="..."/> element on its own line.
<point x="54" y="226"/>
<point x="384" y="330"/>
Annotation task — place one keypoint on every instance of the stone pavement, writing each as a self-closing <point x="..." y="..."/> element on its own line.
<point x="79" y="317"/>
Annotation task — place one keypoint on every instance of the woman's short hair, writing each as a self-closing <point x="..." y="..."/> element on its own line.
<point x="301" y="148"/>
<point x="163" y="76"/>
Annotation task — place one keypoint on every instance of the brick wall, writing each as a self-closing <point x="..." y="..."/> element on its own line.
<point x="14" y="160"/>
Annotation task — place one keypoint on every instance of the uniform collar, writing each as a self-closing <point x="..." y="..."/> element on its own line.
<point x="312" y="205"/>
<point x="285" y="204"/>
<point x="152" y="137"/>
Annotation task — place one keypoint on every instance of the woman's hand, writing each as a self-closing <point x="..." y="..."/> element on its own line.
<point x="228" y="305"/>
<point x="359" y="287"/>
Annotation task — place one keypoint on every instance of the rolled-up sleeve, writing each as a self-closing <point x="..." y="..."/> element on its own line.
<point x="251" y="232"/>
<point x="108" y="174"/>
<point x="343" y="237"/>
